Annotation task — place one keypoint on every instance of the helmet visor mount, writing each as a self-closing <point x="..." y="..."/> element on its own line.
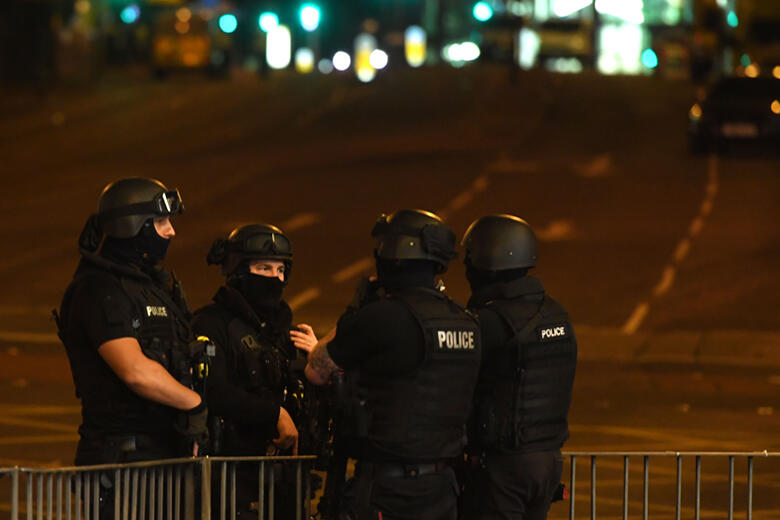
<point x="164" y="204"/>
<point x="272" y="244"/>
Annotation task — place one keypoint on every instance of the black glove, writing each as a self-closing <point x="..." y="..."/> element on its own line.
<point x="192" y="424"/>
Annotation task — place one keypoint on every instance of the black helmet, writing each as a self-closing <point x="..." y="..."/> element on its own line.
<point x="126" y="204"/>
<point x="499" y="242"/>
<point x="414" y="234"/>
<point x="253" y="241"/>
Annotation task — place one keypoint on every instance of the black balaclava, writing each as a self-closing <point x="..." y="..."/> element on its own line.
<point x="263" y="293"/>
<point x="479" y="279"/>
<point x="399" y="274"/>
<point x="146" y="249"/>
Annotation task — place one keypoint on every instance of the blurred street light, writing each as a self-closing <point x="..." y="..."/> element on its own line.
<point x="267" y="21"/>
<point x="310" y="15"/>
<point x="228" y="23"/>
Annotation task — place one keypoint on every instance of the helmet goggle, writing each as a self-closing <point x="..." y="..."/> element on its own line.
<point x="272" y="243"/>
<point x="163" y="204"/>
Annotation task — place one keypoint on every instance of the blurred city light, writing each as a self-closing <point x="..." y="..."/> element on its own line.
<point x="228" y="23"/>
<point x="776" y="106"/>
<point x="627" y="10"/>
<point x="752" y="70"/>
<point x="649" y="58"/>
<point x="564" y="65"/>
<point x="744" y="60"/>
<point x="459" y="53"/>
<point x="182" y="27"/>
<point x="325" y="66"/>
<point x="365" y="44"/>
<point x="82" y="7"/>
<point x="530" y="43"/>
<point x="378" y="59"/>
<point x="776" y="71"/>
<point x="341" y="61"/>
<point x="415" y="46"/>
<point x="564" y="8"/>
<point x="482" y="11"/>
<point x="310" y="17"/>
<point x="620" y="49"/>
<point x="304" y="60"/>
<point x="183" y="14"/>
<point x="267" y="21"/>
<point x="732" y="19"/>
<point x="278" y="47"/>
<point x="130" y="14"/>
<point x="695" y="112"/>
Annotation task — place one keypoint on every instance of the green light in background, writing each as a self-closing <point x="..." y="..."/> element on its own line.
<point x="482" y="11"/>
<point x="267" y="21"/>
<point x="649" y="59"/>
<point x="310" y="17"/>
<point x="732" y="19"/>
<point x="744" y="60"/>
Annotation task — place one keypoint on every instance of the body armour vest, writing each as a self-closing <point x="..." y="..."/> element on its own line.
<point x="160" y="324"/>
<point x="423" y="416"/>
<point x="260" y="365"/>
<point x="524" y="394"/>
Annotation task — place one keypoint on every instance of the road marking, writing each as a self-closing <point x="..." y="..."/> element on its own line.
<point x="23" y="310"/>
<point x="681" y="251"/>
<point x="47" y="425"/>
<point x="301" y="299"/>
<point x="353" y="270"/>
<point x="555" y="231"/>
<point x="299" y="221"/>
<point x="635" y="320"/>
<point x="28" y="337"/>
<point x="667" y="278"/>
<point x="598" y="167"/>
<point x="38" y="439"/>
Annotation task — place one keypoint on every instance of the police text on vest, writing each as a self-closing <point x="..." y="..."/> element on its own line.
<point x="553" y="332"/>
<point x="157" y="312"/>
<point x="456" y="339"/>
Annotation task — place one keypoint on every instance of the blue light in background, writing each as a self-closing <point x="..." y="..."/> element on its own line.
<point x="228" y="23"/>
<point x="482" y="11"/>
<point x="267" y="21"/>
<point x="732" y="19"/>
<point x="649" y="59"/>
<point x="130" y="14"/>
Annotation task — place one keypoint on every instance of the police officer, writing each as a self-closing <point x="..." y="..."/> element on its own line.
<point x="525" y="384"/>
<point x="124" y="324"/>
<point x="251" y="388"/>
<point x="414" y="354"/>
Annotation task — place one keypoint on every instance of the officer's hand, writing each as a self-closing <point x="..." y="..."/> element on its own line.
<point x="288" y="433"/>
<point x="192" y="424"/>
<point x="304" y="338"/>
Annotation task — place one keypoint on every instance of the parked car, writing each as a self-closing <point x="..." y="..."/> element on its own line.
<point x="736" y="109"/>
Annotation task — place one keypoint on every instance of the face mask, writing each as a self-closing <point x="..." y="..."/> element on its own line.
<point x="261" y="292"/>
<point x="147" y="248"/>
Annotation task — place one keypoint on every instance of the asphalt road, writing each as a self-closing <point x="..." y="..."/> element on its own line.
<point x="666" y="262"/>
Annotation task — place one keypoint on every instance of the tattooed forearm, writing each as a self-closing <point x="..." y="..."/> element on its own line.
<point x="320" y="365"/>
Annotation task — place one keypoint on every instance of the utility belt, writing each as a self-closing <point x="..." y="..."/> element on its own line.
<point x="402" y="469"/>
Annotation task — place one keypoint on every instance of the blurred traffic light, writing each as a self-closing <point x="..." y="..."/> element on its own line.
<point x="482" y="11"/>
<point x="228" y="23"/>
<point x="310" y="15"/>
<point x="130" y="14"/>
<point x="267" y="21"/>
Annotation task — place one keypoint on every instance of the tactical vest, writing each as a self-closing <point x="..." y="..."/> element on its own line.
<point x="423" y="416"/>
<point x="260" y="365"/>
<point x="160" y="325"/>
<point x="524" y="394"/>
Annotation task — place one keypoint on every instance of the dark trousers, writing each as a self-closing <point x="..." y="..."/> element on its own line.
<point x="510" y="485"/>
<point x="372" y="495"/>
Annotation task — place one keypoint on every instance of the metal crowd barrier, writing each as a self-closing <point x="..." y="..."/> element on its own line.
<point x="174" y="489"/>
<point x="692" y="479"/>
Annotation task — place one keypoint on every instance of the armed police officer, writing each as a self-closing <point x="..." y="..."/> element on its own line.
<point x="524" y="391"/>
<point x="414" y="355"/>
<point x="252" y="392"/>
<point x="125" y="326"/>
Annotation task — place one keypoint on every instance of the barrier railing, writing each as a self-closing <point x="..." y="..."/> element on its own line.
<point x="174" y="489"/>
<point x="722" y="490"/>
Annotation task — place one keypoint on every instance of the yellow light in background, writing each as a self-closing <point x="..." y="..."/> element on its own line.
<point x="304" y="60"/>
<point x="695" y="112"/>
<point x="182" y="27"/>
<point x="82" y="7"/>
<point x="751" y="71"/>
<point x="776" y="106"/>
<point x="365" y="44"/>
<point x="415" y="46"/>
<point x="776" y="71"/>
<point x="183" y="14"/>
